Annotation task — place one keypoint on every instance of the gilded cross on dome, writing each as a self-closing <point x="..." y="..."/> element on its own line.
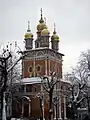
<point x="28" y="27"/>
<point x="54" y="28"/>
<point x="41" y="11"/>
<point x="41" y="20"/>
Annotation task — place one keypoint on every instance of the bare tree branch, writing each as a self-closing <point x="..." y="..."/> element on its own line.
<point x="15" y="63"/>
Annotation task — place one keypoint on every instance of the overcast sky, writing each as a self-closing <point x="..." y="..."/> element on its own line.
<point x="72" y="18"/>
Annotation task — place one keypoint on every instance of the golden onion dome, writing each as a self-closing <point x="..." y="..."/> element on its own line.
<point x="45" y="32"/>
<point x="28" y="34"/>
<point x="41" y="26"/>
<point x="55" y="37"/>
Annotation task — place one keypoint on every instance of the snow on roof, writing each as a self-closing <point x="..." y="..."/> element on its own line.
<point x="65" y="81"/>
<point x="42" y="48"/>
<point x="32" y="80"/>
<point x="35" y="80"/>
<point x="82" y="109"/>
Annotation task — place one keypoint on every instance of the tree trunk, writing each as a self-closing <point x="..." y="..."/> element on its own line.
<point x="56" y="113"/>
<point x="1" y="105"/>
<point x="88" y="107"/>
<point x="50" y="105"/>
<point x="41" y="116"/>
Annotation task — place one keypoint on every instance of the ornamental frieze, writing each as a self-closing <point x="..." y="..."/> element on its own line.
<point x="43" y="54"/>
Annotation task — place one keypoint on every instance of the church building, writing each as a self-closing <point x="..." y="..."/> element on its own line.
<point x="39" y="61"/>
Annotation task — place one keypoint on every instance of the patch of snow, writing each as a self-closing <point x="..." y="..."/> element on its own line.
<point x="82" y="108"/>
<point x="66" y="81"/>
<point x="34" y="80"/>
<point x="31" y="80"/>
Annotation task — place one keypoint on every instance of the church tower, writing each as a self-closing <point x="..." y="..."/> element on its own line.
<point x="42" y="34"/>
<point x="43" y="59"/>
<point x="45" y="37"/>
<point x="55" y="40"/>
<point x="28" y="38"/>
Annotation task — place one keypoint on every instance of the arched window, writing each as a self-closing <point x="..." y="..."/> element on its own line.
<point x="38" y="68"/>
<point x="30" y="69"/>
<point x="62" y="87"/>
<point x="28" y="88"/>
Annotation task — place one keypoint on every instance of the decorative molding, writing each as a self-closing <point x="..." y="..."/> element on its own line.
<point x="41" y="54"/>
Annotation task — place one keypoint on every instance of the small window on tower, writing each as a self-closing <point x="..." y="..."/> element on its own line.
<point x="30" y="69"/>
<point x="37" y="45"/>
<point x="61" y="87"/>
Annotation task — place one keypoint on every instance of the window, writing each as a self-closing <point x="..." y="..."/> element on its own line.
<point x="30" y="69"/>
<point x="35" y="89"/>
<point x="28" y="88"/>
<point x="61" y="87"/>
<point x="79" y="115"/>
<point x="37" y="45"/>
<point x="38" y="68"/>
<point x="21" y="89"/>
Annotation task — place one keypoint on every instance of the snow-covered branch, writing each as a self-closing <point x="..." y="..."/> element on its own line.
<point x="79" y="101"/>
<point x="8" y="70"/>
